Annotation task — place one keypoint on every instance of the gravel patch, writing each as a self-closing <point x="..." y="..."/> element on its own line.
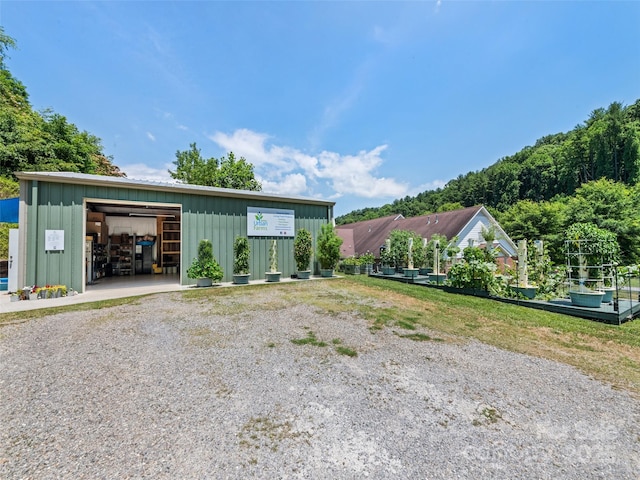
<point x="173" y="388"/>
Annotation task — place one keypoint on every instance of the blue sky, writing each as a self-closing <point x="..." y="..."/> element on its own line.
<point x="358" y="102"/>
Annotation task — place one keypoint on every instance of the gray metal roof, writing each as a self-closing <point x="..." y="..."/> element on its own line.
<point x="124" y="182"/>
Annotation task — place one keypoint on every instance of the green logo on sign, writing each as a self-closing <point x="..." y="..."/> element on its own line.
<point x="260" y="223"/>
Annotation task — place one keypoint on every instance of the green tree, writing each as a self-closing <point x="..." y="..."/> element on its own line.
<point x="540" y="173"/>
<point x="6" y="43"/>
<point x="4" y="238"/>
<point x="226" y="172"/>
<point x="447" y="207"/>
<point x="31" y="141"/>
<point x="611" y="206"/>
<point x="237" y="174"/>
<point x="505" y="183"/>
<point x="190" y="167"/>
<point x="537" y="221"/>
<point x="9" y="188"/>
<point x="606" y="145"/>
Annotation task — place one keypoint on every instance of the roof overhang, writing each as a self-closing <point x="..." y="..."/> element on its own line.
<point x="123" y="182"/>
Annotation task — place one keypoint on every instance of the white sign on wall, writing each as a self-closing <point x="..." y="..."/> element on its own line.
<point x="270" y="222"/>
<point x="54" y="240"/>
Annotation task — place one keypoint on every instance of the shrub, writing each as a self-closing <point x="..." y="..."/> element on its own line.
<point x="205" y="265"/>
<point x="474" y="271"/>
<point x="367" y="259"/>
<point x="400" y="247"/>
<point x="328" y="247"/>
<point x="351" y="261"/>
<point x="386" y="257"/>
<point x="241" y="252"/>
<point x="302" y="249"/>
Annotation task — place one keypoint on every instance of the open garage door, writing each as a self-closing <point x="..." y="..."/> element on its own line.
<point x="131" y="244"/>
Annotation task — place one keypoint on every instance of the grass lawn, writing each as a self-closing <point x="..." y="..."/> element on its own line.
<point x="609" y="353"/>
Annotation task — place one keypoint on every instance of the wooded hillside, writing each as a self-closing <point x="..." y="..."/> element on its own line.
<point x="590" y="174"/>
<point x="606" y="145"/>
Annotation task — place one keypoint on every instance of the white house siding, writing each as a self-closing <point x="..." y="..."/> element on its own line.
<point x="472" y="233"/>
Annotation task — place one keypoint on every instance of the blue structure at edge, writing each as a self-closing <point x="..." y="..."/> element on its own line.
<point x="9" y="210"/>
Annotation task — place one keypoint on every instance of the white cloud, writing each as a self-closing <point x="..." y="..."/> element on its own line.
<point x="251" y="145"/>
<point x="182" y="127"/>
<point x="293" y="184"/>
<point x="354" y="174"/>
<point x="140" y="171"/>
<point x="151" y="137"/>
<point x="284" y="169"/>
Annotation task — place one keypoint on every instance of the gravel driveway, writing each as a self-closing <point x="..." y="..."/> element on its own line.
<point x="181" y="388"/>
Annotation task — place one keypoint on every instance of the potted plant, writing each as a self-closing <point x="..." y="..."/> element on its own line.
<point x="399" y="248"/>
<point x="608" y="275"/>
<point x="582" y="296"/>
<point x="523" y="286"/>
<point x="351" y="266"/>
<point x="386" y="258"/>
<point x="302" y="251"/>
<point x="241" y="251"/>
<point x="429" y="253"/>
<point x="273" y="275"/>
<point x="452" y="250"/>
<point x="438" y="276"/>
<point x="32" y="293"/>
<point x="589" y="245"/>
<point x="328" y="245"/>
<point x="420" y="256"/>
<point x="413" y="242"/>
<point x="474" y="274"/>
<point x="205" y="269"/>
<point x="608" y="289"/>
<point x="366" y="263"/>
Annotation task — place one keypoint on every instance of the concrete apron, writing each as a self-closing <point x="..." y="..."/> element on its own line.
<point x="113" y="290"/>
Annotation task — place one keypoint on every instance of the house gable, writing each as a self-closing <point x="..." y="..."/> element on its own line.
<point x="471" y="233"/>
<point x="466" y="224"/>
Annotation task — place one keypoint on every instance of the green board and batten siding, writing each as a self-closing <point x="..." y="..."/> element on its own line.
<point x="50" y="207"/>
<point x="222" y="219"/>
<point x="53" y="205"/>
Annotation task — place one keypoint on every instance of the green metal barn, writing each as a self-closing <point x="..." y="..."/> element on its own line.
<point x="76" y="229"/>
